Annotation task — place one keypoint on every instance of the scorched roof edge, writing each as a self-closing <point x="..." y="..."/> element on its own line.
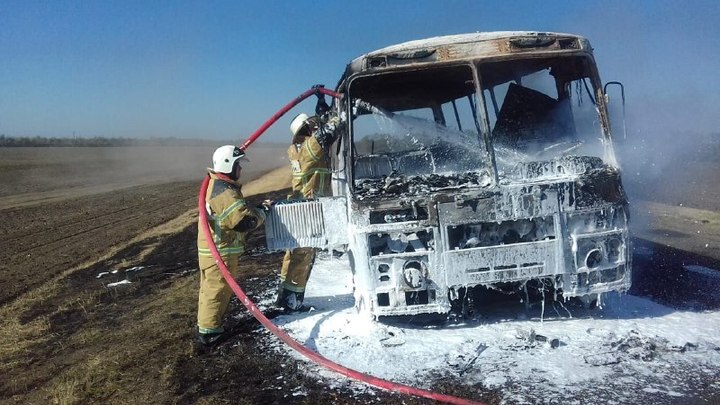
<point x="356" y="64"/>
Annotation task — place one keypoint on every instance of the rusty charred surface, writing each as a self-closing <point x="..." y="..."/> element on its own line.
<point x="453" y="48"/>
<point x="595" y="183"/>
<point x="393" y="187"/>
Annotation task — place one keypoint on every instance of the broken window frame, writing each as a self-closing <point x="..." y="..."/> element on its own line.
<point x="588" y="72"/>
<point x="438" y="113"/>
<point x="481" y="104"/>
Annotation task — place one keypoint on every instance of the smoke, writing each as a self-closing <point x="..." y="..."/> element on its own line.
<point x="661" y="52"/>
<point x="669" y="153"/>
<point x="35" y="174"/>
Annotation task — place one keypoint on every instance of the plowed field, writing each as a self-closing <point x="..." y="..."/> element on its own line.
<point x="68" y="336"/>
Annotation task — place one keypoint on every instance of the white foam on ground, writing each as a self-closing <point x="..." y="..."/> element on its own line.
<point x="631" y="349"/>
<point x="119" y="283"/>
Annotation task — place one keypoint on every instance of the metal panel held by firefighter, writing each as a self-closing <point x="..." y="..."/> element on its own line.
<point x="320" y="223"/>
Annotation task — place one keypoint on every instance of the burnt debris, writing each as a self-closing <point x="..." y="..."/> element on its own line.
<point x="393" y="186"/>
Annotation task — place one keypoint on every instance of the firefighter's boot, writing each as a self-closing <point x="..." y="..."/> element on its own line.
<point x="290" y="301"/>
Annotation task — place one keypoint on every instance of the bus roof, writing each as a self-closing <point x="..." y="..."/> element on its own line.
<point x="473" y="46"/>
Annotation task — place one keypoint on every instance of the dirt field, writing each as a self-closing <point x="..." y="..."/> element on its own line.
<point x="67" y="337"/>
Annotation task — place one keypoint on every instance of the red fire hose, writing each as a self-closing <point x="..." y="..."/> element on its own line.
<point x="255" y="311"/>
<point x="314" y="90"/>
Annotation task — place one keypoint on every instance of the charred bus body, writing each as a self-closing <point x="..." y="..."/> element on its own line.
<point x="471" y="160"/>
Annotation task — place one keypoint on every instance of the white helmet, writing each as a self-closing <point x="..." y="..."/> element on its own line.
<point x="224" y="158"/>
<point x="298" y="123"/>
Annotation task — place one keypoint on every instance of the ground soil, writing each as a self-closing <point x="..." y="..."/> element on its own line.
<point x="68" y="337"/>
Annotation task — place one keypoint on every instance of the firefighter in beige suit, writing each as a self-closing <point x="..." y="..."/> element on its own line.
<point x="230" y="220"/>
<point x="310" y="179"/>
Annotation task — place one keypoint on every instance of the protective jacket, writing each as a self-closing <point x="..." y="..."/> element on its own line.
<point x="309" y="165"/>
<point x="229" y="217"/>
<point x="296" y="181"/>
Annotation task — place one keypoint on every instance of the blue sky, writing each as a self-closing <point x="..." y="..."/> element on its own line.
<point x="219" y="69"/>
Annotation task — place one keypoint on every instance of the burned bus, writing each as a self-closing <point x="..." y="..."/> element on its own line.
<point x="475" y="160"/>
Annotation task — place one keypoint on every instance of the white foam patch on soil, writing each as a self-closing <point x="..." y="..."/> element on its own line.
<point x="119" y="283"/>
<point x="630" y="350"/>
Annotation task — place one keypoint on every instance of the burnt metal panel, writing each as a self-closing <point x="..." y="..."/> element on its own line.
<point x="527" y="203"/>
<point x="516" y="262"/>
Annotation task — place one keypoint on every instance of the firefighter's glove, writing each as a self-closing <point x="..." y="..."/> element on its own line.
<point x="266" y="205"/>
<point x="333" y="123"/>
<point x="321" y="107"/>
<point x="329" y="131"/>
<point x="334" y="120"/>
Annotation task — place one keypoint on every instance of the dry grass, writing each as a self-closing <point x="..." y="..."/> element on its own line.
<point x="66" y="328"/>
<point x="278" y="179"/>
<point x="65" y="392"/>
<point x="92" y="362"/>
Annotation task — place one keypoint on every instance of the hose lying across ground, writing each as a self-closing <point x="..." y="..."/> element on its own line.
<point x="277" y="331"/>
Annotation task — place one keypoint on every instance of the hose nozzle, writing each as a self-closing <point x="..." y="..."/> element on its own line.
<point x="361" y="105"/>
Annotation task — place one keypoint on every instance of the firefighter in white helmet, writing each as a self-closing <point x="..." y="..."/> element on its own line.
<point x="230" y="220"/>
<point x="309" y="163"/>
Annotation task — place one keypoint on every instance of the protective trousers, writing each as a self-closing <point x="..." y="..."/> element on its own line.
<point x="296" y="268"/>
<point x="215" y="293"/>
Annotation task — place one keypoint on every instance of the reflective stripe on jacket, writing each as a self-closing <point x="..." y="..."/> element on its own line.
<point x="310" y="173"/>
<point x="297" y="175"/>
<point x="229" y="217"/>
